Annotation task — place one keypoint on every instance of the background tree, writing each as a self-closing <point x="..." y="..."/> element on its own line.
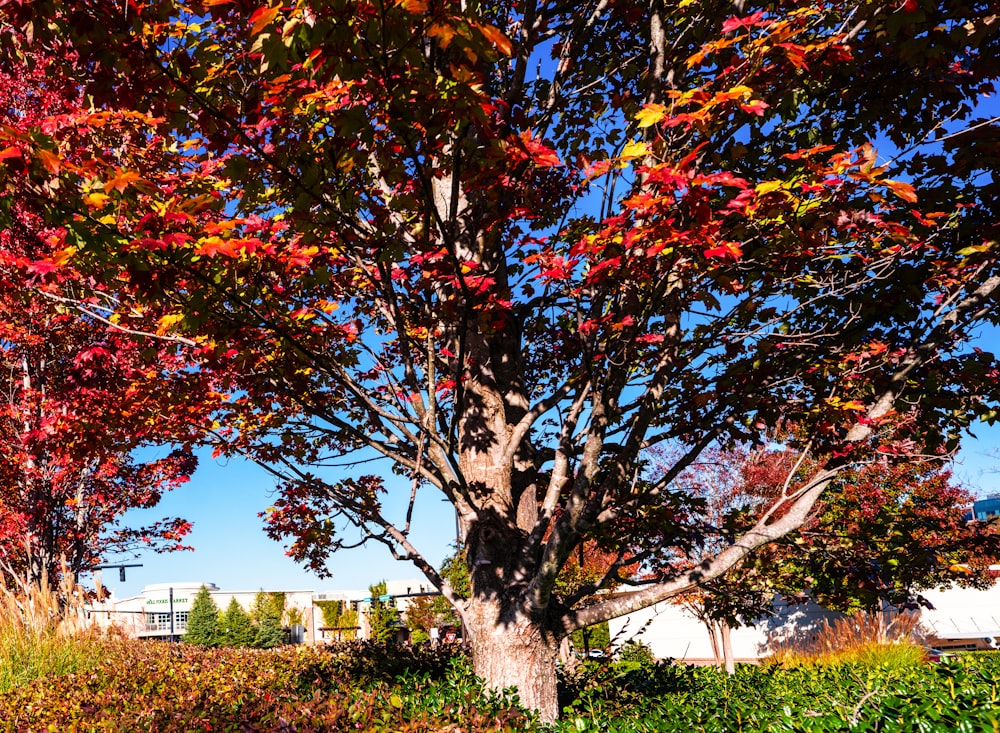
<point x="79" y="396"/>
<point x="383" y="617"/>
<point x="421" y="616"/>
<point x="510" y="247"/>
<point x="234" y="627"/>
<point x="203" y="620"/>
<point x="454" y="571"/>
<point x="882" y="533"/>
<point x="267" y="612"/>
<point x="337" y="616"/>
<point x="75" y="399"/>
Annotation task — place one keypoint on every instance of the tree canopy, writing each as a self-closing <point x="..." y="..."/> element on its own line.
<point x="509" y="247"/>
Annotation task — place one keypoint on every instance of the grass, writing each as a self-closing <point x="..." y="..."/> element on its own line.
<point x="869" y="638"/>
<point x="44" y="631"/>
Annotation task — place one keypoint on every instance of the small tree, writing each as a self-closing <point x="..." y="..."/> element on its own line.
<point x="203" y="620"/>
<point x="455" y="571"/>
<point x="382" y="617"/>
<point x="266" y="613"/>
<point x="421" y="616"/>
<point x="235" y="627"/>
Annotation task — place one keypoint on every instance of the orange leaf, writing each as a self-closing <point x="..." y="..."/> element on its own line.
<point x="417" y="7"/>
<point x="497" y="38"/>
<point x="10" y="152"/>
<point x="50" y="160"/>
<point x="121" y="181"/>
<point x="904" y="190"/>
<point x="443" y="33"/>
<point x="261" y="18"/>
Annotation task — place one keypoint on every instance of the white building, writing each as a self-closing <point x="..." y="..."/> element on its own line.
<point x="961" y="618"/>
<point x="161" y="610"/>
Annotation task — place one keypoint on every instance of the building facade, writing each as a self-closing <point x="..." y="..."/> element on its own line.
<point x="160" y="611"/>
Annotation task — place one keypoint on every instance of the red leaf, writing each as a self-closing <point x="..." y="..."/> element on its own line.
<point x="261" y="18"/>
<point x="726" y="250"/>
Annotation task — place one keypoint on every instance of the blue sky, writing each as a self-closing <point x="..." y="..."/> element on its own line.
<point x="231" y="550"/>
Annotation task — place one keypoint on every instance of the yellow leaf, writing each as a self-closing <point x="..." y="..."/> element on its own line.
<point x="651" y="114"/>
<point x="167" y="322"/>
<point x="685" y="3"/>
<point x="96" y="200"/>
<point x="634" y="150"/>
<point x="768" y="187"/>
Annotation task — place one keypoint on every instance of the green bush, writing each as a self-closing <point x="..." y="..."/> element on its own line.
<point x="369" y="687"/>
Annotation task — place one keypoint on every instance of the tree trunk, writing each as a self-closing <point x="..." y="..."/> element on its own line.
<point x="725" y="631"/>
<point x="713" y="638"/>
<point x="515" y="651"/>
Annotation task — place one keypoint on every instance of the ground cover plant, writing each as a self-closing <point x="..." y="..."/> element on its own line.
<point x="372" y="687"/>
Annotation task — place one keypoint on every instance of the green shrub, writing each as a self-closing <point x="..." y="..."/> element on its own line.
<point x="368" y="687"/>
<point x="637" y="652"/>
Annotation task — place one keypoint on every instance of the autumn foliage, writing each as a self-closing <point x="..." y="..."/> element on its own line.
<point x="80" y="392"/>
<point x="509" y="247"/>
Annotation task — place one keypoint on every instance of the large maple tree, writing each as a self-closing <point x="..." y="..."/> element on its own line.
<point x="508" y="247"/>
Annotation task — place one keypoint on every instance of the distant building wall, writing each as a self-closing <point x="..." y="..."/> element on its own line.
<point x="959" y="618"/>
<point x="672" y="631"/>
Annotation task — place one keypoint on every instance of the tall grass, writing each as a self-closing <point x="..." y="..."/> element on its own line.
<point x="43" y="631"/>
<point x="870" y="638"/>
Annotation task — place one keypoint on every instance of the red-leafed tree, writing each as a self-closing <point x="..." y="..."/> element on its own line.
<point x="77" y="400"/>
<point x="882" y="533"/>
<point x="508" y="247"/>
<point x="79" y="393"/>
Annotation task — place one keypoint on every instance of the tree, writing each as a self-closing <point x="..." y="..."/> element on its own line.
<point x="78" y="399"/>
<point x="421" y="616"/>
<point x="203" y="620"/>
<point x="235" y="627"/>
<point x="80" y="395"/>
<point x="881" y="533"/>
<point x="337" y="616"/>
<point x="388" y="236"/>
<point x="383" y="617"/>
<point x="267" y="612"/>
<point x="727" y="491"/>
